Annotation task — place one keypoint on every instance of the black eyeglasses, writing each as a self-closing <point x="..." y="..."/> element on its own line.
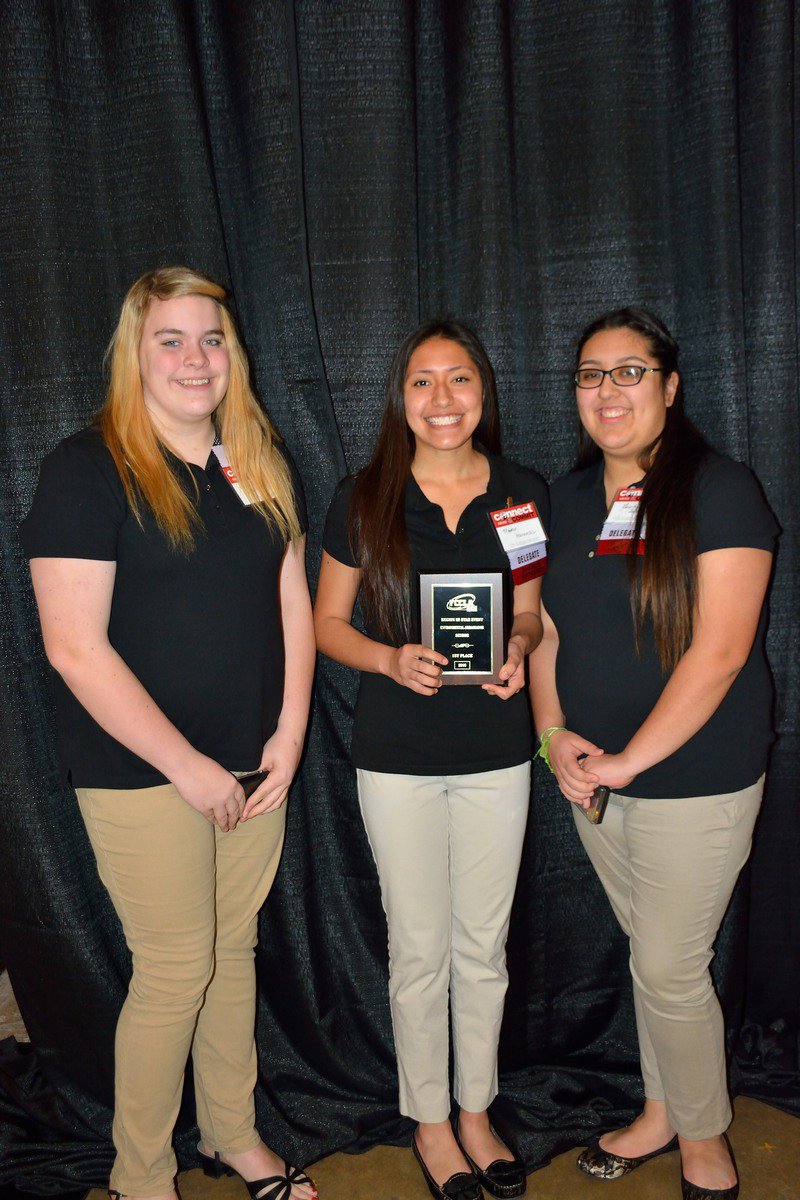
<point x="625" y="376"/>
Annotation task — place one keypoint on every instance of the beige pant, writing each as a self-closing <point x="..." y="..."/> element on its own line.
<point x="447" y="848"/>
<point x="668" y="868"/>
<point x="188" y="898"/>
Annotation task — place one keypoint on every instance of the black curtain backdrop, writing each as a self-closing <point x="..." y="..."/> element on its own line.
<point x="350" y="168"/>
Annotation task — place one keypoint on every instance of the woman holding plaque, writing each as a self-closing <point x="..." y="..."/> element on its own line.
<point x="652" y="680"/>
<point x="443" y="771"/>
<point x="174" y="606"/>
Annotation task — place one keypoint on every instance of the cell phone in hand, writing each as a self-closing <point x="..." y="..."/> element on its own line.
<point x="597" y="806"/>
<point x="251" y="781"/>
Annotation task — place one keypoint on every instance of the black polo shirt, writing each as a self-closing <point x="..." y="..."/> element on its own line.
<point x="605" y="690"/>
<point x="460" y="730"/>
<point x="201" y="631"/>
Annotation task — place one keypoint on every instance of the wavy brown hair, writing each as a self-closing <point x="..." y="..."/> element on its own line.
<point x="376" y="517"/>
<point x="138" y="451"/>
<point x="663" y="581"/>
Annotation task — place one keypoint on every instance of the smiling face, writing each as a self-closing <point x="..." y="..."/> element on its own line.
<point x="183" y="362"/>
<point x="624" y="421"/>
<point x="443" y="395"/>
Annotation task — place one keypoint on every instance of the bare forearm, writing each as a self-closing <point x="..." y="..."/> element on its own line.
<point x="526" y="631"/>
<point x="693" y="693"/>
<point x="340" y="641"/>
<point x="300" y="654"/>
<point x="114" y="697"/>
<point x="544" y="697"/>
<point x="74" y="598"/>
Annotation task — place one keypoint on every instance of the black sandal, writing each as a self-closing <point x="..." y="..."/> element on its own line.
<point x="280" y="1186"/>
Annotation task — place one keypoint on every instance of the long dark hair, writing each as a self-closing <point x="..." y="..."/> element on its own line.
<point x="377" y="518"/>
<point x="663" y="582"/>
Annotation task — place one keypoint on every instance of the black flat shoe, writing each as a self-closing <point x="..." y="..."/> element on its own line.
<point x="461" y="1186"/>
<point x="693" y="1191"/>
<point x="274" y="1187"/>
<point x="503" y="1177"/>
<point x="602" y="1164"/>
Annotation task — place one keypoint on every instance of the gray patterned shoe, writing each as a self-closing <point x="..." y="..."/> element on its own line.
<point x="602" y="1164"/>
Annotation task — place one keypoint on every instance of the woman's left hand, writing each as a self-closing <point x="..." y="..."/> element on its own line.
<point x="281" y="756"/>
<point x="512" y="670"/>
<point x="613" y="770"/>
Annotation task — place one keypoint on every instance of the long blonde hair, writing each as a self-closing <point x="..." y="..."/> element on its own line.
<point x="245" y="429"/>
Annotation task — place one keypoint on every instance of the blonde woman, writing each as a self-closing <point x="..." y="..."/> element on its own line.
<point x="167" y="554"/>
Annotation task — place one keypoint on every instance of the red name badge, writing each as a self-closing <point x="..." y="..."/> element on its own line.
<point x="523" y="538"/>
<point x="616" y="536"/>
<point x="229" y="473"/>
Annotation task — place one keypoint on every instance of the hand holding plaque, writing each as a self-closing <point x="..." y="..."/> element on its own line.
<point x="462" y="615"/>
<point x="417" y="667"/>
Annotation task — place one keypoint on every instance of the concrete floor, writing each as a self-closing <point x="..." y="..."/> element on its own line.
<point x="766" y="1142"/>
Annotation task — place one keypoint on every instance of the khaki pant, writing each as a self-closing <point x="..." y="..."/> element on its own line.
<point x="668" y="868"/>
<point x="447" y="848"/>
<point x="188" y="897"/>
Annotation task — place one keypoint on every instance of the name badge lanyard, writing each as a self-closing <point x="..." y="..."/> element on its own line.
<point x="229" y="473"/>
<point x="616" y="536"/>
<point x="522" y="536"/>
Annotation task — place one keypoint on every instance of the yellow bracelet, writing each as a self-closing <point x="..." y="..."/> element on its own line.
<point x="544" y="745"/>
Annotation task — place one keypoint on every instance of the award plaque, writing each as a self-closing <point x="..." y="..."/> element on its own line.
<point x="462" y="616"/>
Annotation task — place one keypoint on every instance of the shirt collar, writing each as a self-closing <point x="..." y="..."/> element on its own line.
<point x="589" y="477"/>
<point x="417" y="501"/>
<point x="176" y="463"/>
<point x="592" y="477"/>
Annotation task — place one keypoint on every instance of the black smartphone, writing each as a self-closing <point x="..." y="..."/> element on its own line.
<point x="251" y="781"/>
<point x="596" y="810"/>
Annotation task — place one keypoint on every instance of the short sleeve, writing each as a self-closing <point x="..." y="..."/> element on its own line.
<point x="79" y="503"/>
<point x="730" y="508"/>
<point x="297" y="488"/>
<point x="335" y="539"/>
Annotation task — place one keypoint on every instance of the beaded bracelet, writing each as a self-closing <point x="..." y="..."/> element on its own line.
<point x="544" y="745"/>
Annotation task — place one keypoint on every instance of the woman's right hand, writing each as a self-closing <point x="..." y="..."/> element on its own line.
<point x="213" y="791"/>
<point x="565" y="749"/>
<point x="417" y="667"/>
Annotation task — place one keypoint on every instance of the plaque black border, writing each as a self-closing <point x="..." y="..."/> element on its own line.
<point x="465" y="579"/>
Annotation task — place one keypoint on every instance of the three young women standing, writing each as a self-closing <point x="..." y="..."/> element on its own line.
<point x="648" y="679"/>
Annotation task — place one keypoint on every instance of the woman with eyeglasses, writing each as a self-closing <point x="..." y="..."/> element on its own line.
<point x="167" y="551"/>
<point x="443" y="771"/>
<point x="651" y="680"/>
